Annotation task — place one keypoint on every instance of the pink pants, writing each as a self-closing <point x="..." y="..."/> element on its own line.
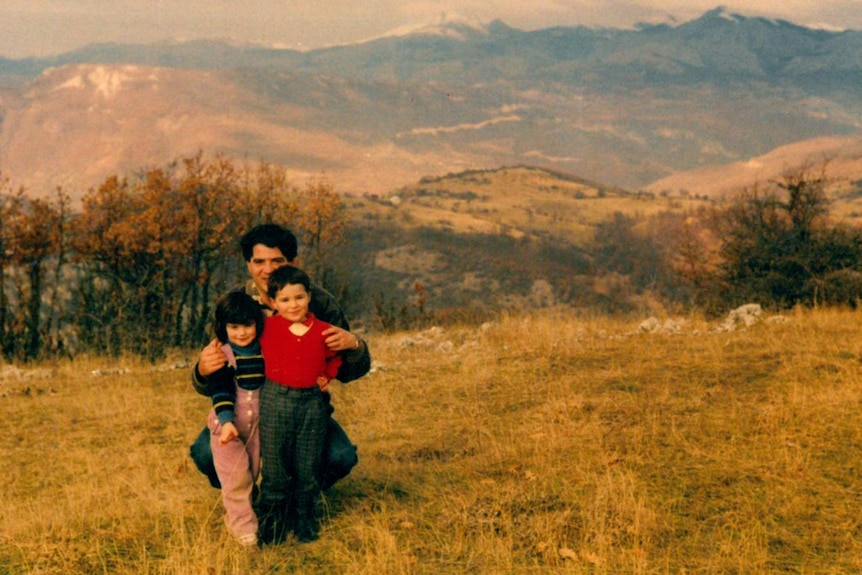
<point x="238" y="463"/>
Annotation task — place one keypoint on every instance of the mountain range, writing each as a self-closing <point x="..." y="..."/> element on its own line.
<point x="627" y="108"/>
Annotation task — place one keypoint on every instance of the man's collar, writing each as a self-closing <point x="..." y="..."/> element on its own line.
<point x="251" y="289"/>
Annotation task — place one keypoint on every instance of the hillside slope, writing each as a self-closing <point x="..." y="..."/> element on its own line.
<point x="840" y="156"/>
<point x="518" y="201"/>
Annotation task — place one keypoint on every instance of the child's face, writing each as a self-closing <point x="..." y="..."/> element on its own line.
<point x="241" y="335"/>
<point x="291" y="302"/>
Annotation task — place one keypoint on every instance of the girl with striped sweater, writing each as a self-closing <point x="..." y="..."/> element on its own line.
<point x="233" y="420"/>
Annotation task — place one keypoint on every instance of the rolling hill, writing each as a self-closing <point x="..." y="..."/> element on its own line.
<point x="841" y="157"/>
<point x="522" y="202"/>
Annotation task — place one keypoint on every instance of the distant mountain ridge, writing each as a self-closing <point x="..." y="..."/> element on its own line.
<point x="622" y="107"/>
<point x="716" y="44"/>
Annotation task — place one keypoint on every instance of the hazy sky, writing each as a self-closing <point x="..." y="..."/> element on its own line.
<point x="45" y="27"/>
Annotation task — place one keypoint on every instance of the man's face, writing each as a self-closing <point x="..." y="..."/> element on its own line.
<point x="264" y="260"/>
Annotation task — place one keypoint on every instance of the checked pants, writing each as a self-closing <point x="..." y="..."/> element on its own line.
<point x="293" y="427"/>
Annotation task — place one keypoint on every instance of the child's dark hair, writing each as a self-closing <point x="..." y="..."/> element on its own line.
<point x="287" y="275"/>
<point x="236" y="307"/>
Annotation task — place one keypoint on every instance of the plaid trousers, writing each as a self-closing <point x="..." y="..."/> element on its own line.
<point x="293" y="425"/>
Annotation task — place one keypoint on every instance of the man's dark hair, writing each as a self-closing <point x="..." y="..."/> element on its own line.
<point x="272" y="236"/>
<point x="287" y="275"/>
<point x="236" y="307"/>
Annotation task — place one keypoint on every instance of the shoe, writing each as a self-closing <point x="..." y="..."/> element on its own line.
<point x="247" y="540"/>
<point x="307" y="527"/>
<point x="272" y="526"/>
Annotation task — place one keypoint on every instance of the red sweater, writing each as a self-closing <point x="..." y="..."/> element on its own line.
<point x="297" y="360"/>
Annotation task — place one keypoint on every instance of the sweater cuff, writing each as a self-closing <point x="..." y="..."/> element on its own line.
<point x="355" y="354"/>
<point x="225" y="416"/>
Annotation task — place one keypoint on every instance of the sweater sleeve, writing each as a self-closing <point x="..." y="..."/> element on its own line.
<point x="332" y="359"/>
<point x="202" y="384"/>
<point x="224" y="394"/>
<point x="332" y="365"/>
<point x="354" y="363"/>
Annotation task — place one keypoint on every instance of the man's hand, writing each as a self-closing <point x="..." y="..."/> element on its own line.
<point x="338" y="339"/>
<point x="211" y="359"/>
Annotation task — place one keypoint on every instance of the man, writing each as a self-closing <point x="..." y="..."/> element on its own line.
<point x="265" y="248"/>
<point x="270" y="246"/>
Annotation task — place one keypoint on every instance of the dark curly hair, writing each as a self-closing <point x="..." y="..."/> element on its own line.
<point x="272" y="236"/>
<point x="236" y="307"/>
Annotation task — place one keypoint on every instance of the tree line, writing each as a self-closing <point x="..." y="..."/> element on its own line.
<point x="135" y="268"/>
<point x="775" y="244"/>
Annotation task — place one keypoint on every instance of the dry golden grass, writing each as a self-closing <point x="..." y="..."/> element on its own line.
<point x="546" y="444"/>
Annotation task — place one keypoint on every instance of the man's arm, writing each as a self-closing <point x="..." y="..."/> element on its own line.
<point x="201" y="384"/>
<point x="354" y="363"/>
<point x="325" y="307"/>
<point x="356" y="358"/>
<point x="211" y="359"/>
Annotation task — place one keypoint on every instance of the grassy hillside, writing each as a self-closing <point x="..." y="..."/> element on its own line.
<point x="480" y="239"/>
<point x="518" y="201"/>
<point x="486" y="238"/>
<point x="543" y="444"/>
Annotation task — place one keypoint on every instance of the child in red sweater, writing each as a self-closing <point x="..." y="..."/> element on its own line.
<point x="299" y="366"/>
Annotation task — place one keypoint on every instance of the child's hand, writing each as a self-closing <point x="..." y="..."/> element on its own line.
<point x="323" y="382"/>
<point x="228" y="433"/>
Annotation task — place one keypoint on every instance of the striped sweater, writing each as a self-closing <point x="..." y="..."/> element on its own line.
<point x="245" y="370"/>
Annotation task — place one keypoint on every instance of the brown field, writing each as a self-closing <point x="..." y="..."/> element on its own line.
<point x="532" y="445"/>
